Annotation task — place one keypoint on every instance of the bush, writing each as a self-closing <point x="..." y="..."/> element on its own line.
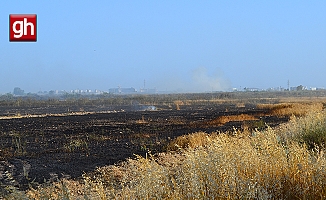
<point x="309" y="130"/>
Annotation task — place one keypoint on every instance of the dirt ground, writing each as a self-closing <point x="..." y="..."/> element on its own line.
<point x="44" y="148"/>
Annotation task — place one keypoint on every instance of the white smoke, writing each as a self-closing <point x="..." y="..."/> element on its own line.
<point x="204" y="82"/>
<point x="194" y="80"/>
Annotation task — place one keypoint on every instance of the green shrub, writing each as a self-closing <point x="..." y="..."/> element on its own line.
<point x="309" y="130"/>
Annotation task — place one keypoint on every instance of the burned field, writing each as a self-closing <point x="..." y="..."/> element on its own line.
<point x="45" y="148"/>
<point x="42" y="141"/>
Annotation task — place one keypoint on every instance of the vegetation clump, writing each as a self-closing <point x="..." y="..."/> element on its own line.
<point x="289" y="109"/>
<point x="229" y="118"/>
<point x="309" y="130"/>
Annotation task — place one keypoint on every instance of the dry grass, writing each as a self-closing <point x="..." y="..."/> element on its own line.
<point x="225" y="119"/>
<point x="189" y="141"/>
<point x="231" y="167"/>
<point x="64" y="189"/>
<point x="311" y="99"/>
<point x="240" y="105"/>
<point x="288" y="109"/>
<point x="176" y="120"/>
<point x="177" y="104"/>
<point x="141" y="121"/>
<point x="19" y="116"/>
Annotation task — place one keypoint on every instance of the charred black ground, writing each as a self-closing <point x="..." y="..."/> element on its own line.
<point x="55" y="146"/>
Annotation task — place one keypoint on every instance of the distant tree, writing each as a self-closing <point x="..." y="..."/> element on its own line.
<point x="18" y="91"/>
<point x="300" y="88"/>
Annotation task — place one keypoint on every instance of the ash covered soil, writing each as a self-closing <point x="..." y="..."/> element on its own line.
<point x="42" y="149"/>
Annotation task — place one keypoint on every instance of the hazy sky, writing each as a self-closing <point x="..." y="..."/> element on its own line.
<point x="177" y="44"/>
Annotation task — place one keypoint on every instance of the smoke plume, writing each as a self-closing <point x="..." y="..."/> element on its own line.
<point x="209" y="82"/>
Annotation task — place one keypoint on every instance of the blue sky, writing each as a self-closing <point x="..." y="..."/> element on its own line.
<point x="174" y="45"/>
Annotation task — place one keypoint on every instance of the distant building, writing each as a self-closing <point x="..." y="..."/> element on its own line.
<point x="300" y="88"/>
<point x="148" y="91"/>
<point x="251" y="89"/>
<point x="122" y="90"/>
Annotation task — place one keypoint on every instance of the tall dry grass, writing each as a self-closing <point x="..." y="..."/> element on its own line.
<point x="244" y="166"/>
<point x="288" y="109"/>
<point x="231" y="118"/>
<point x="189" y="141"/>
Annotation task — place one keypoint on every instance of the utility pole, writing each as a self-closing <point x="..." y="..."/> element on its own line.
<point x="288" y="85"/>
